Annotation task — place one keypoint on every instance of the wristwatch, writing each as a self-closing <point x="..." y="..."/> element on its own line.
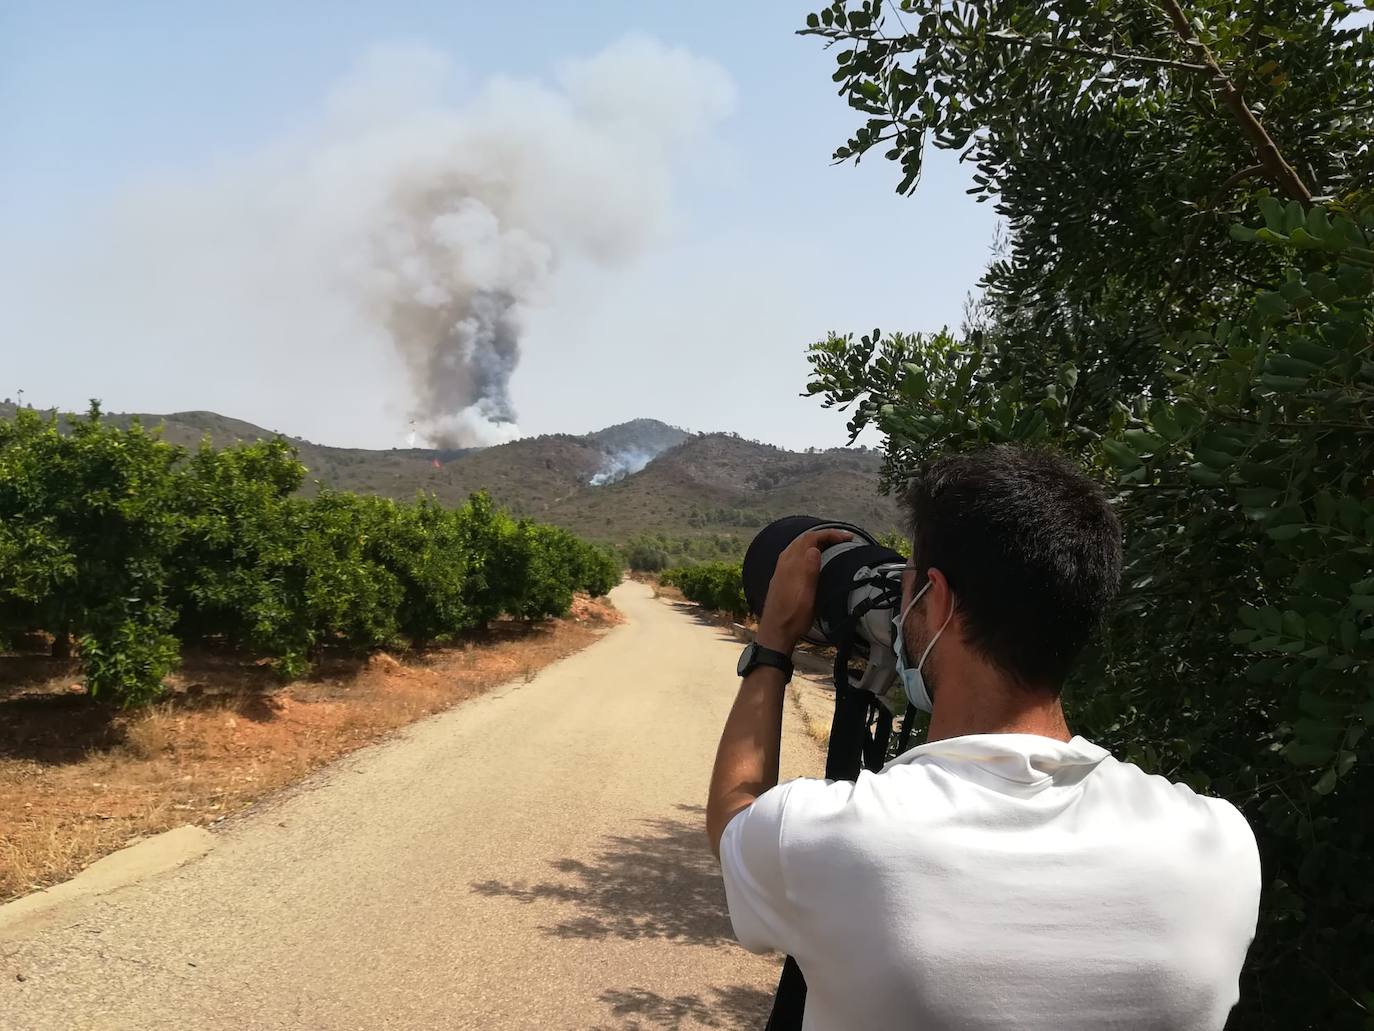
<point x="755" y="655"/>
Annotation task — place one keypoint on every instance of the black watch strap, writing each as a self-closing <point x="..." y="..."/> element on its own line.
<point x="756" y="655"/>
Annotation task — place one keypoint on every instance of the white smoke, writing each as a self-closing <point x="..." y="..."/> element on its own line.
<point x="401" y="215"/>
<point x="462" y="213"/>
<point x="620" y="464"/>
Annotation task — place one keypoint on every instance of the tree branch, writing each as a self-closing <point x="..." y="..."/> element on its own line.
<point x="1271" y="160"/>
<point x="1274" y="164"/>
<point x="1236" y="179"/>
<point x="1045" y="43"/>
<point x="909" y="43"/>
<point x="857" y="34"/>
<point x="1181" y="266"/>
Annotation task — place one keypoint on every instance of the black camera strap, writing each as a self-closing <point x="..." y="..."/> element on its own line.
<point x="908" y="721"/>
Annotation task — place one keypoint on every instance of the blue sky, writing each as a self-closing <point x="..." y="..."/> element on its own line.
<point x="766" y="247"/>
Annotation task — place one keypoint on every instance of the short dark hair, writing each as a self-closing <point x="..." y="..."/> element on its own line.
<point x="1031" y="549"/>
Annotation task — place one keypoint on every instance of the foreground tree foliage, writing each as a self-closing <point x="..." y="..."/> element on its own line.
<point x="127" y="544"/>
<point x="1185" y="302"/>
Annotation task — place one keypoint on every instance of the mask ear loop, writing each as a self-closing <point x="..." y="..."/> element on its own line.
<point x="905" y="738"/>
<point x="900" y="641"/>
<point x="931" y="645"/>
<point x="902" y="618"/>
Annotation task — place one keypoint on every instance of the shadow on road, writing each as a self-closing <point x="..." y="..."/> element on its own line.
<point x="660" y="883"/>
<point x="736" y="1008"/>
<point x="818" y="660"/>
<point x="717" y="621"/>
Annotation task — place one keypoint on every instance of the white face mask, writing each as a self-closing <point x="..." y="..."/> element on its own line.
<point x="913" y="682"/>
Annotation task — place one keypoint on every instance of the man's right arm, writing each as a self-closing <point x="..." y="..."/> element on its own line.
<point x="751" y="866"/>
<point x="747" y="758"/>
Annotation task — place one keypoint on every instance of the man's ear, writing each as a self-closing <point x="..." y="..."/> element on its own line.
<point x="937" y="602"/>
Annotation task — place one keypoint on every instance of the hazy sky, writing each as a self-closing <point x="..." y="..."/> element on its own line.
<point x="184" y="188"/>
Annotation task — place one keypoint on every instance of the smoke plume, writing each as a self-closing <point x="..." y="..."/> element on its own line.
<point x="477" y="205"/>
<point x="620" y="464"/>
<point x="413" y="216"/>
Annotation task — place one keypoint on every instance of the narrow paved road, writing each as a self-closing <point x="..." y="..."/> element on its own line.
<point x="531" y="859"/>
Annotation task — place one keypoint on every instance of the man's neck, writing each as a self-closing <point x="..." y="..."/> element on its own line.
<point x="974" y="698"/>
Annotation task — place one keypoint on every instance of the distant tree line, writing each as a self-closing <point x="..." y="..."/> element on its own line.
<point x="653" y="553"/>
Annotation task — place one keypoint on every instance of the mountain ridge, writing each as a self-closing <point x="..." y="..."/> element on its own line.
<point x="695" y="493"/>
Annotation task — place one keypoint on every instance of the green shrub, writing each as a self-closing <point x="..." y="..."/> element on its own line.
<point x="233" y="569"/>
<point x="88" y="525"/>
<point x="549" y="557"/>
<point x="644" y="557"/>
<point x="655" y="552"/>
<point x="114" y="538"/>
<point x="423" y="545"/>
<point x="598" y="569"/>
<point x="350" y="597"/>
<point x="128" y="659"/>
<point x="712" y="585"/>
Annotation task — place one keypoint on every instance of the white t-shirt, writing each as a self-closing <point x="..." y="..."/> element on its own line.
<point x="999" y="881"/>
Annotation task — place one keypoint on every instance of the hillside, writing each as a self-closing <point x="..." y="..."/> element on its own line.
<point x="658" y="480"/>
<point x="722" y="484"/>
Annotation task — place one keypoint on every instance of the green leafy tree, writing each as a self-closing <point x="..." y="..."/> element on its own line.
<point x="596" y="569"/>
<point x="88" y="522"/>
<point x="424" y="546"/>
<point x="116" y="539"/>
<point x="351" y="597"/>
<point x="1120" y="142"/>
<point x="232" y="566"/>
<point x="646" y="557"/>
<point x="712" y="585"/>
<point x="494" y="582"/>
<point x="1184" y="303"/>
<point x="549" y="569"/>
<point x="654" y="553"/>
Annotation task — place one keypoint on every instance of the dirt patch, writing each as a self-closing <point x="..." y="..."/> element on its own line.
<point x="79" y="780"/>
<point x="596" y="610"/>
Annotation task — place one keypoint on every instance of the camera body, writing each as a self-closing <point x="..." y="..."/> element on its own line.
<point x="857" y="594"/>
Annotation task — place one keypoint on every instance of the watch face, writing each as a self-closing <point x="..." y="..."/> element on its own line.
<point x="745" y="657"/>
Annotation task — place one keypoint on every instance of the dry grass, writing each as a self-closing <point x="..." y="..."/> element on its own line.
<point x="78" y="780"/>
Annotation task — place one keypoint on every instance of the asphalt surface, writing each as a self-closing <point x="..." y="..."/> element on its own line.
<point x="535" y="858"/>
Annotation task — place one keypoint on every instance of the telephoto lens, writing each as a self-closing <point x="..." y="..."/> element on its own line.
<point x="860" y="582"/>
<point x="857" y="594"/>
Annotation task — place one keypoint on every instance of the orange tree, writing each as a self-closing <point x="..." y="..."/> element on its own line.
<point x="1186" y="303"/>
<point x="112" y="537"/>
<point x="87" y="529"/>
<point x="712" y="585"/>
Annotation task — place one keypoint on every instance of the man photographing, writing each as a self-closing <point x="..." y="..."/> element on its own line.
<point x="1005" y="874"/>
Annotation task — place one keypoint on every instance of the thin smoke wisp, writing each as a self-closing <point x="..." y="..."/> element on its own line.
<point x="620" y="464"/>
